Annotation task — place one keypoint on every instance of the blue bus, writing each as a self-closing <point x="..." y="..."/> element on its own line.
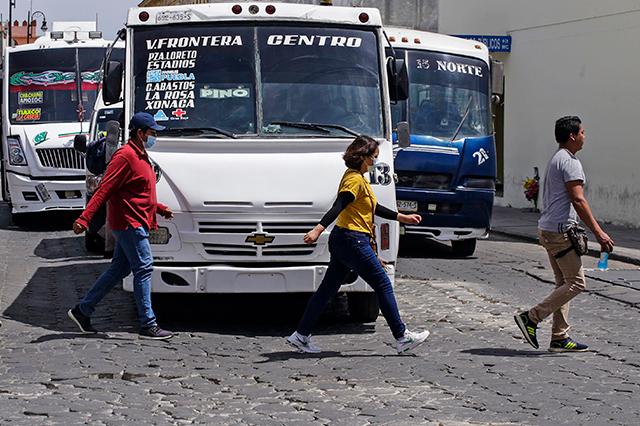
<point x="447" y="172"/>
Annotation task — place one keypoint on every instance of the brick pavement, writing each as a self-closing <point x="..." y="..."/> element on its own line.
<point x="229" y="364"/>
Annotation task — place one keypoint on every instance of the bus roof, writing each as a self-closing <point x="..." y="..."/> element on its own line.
<point x="255" y="11"/>
<point x="45" y="42"/>
<point x="422" y="40"/>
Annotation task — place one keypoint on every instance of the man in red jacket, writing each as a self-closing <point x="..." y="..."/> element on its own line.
<point x="129" y="188"/>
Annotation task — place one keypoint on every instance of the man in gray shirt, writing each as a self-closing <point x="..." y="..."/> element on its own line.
<point x="564" y="201"/>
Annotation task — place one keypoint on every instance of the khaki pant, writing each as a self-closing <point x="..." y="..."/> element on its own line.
<point x="570" y="282"/>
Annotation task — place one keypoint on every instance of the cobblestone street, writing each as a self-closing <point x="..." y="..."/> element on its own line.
<point x="229" y="363"/>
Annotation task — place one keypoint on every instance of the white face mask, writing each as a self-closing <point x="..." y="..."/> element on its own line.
<point x="373" y="165"/>
<point x="151" y="141"/>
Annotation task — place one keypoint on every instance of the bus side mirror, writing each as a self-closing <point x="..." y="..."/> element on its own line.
<point x="112" y="83"/>
<point x="398" y="79"/>
<point x="80" y="143"/>
<point x="497" y="78"/>
<point x="403" y="134"/>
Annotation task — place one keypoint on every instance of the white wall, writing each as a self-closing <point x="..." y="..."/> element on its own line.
<point x="576" y="57"/>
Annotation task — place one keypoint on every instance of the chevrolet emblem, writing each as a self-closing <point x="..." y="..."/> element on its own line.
<point x="259" y="239"/>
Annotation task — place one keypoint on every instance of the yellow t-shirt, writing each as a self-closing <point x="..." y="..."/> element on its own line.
<point x="358" y="215"/>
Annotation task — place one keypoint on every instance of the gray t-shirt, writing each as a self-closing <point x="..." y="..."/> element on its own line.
<point x="558" y="211"/>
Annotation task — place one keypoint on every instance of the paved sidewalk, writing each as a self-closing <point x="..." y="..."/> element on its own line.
<point x="523" y="223"/>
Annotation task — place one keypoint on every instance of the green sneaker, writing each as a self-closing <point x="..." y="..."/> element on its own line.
<point x="567" y="345"/>
<point x="528" y="328"/>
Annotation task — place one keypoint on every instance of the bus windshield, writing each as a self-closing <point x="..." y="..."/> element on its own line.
<point x="442" y="90"/>
<point x="42" y="84"/>
<point x="264" y="80"/>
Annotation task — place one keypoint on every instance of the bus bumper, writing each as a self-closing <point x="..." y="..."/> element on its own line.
<point x="28" y="195"/>
<point x="232" y="279"/>
<point x="449" y="216"/>
<point x="445" y="234"/>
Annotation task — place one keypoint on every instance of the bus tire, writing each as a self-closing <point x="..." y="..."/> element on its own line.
<point x="363" y="307"/>
<point x="464" y="248"/>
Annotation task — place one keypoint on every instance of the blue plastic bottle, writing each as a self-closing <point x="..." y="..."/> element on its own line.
<point x="603" y="263"/>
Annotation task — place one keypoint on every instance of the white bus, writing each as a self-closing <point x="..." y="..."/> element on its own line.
<point x="41" y="113"/>
<point x="260" y="100"/>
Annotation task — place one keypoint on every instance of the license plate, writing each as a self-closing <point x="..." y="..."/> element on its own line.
<point x="407" y="206"/>
<point x="43" y="192"/>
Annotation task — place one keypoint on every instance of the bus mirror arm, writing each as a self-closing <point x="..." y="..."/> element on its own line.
<point x="402" y="131"/>
<point x="112" y="74"/>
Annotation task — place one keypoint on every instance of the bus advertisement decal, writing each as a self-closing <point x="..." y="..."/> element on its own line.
<point x="28" y="114"/>
<point x="30" y="98"/>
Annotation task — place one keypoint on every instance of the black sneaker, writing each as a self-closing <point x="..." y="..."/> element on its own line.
<point x="155" y="333"/>
<point x="567" y="345"/>
<point x="82" y="321"/>
<point x="528" y="328"/>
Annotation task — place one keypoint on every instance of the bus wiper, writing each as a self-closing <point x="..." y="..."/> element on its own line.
<point x="315" y="126"/>
<point x="193" y="131"/>
<point x="464" y="117"/>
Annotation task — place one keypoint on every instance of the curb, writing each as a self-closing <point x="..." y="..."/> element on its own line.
<point x="595" y="253"/>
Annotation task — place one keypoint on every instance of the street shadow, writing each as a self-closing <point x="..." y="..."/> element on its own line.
<point x="71" y="336"/>
<point x="504" y="352"/>
<point x="287" y="355"/>
<point x="53" y="290"/>
<point x="251" y="315"/>
<point x="47" y="221"/>
<point x="67" y="248"/>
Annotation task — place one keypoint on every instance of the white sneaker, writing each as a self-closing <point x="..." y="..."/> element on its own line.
<point x="410" y="341"/>
<point x="303" y="343"/>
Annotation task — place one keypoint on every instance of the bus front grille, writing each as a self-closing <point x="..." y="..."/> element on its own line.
<point x="60" y="158"/>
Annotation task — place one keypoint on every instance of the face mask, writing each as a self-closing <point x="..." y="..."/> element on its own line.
<point x="151" y="141"/>
<point x="373" y="166"/>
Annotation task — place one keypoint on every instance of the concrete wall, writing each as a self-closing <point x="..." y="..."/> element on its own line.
<point x="572" y="57"/>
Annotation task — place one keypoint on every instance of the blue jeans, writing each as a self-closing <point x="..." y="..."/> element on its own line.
<point x="131" y="254"/>
<point x="350" y="250"/>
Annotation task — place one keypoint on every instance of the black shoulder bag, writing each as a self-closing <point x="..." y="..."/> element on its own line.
<point x="578" y="238"/>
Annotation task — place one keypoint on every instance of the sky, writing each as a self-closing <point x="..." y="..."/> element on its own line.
<point x="111" y="13"/>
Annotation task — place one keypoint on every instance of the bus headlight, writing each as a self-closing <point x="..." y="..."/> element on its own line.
<point x="16" y="154"/>
<point x="159" y="236"/>
<point x="482" y="183"/>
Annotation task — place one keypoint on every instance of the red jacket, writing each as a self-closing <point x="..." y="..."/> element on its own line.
<point x="129" y="186"/>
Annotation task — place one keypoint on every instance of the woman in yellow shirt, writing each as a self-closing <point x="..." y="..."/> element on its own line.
<point x="350" y="245"/>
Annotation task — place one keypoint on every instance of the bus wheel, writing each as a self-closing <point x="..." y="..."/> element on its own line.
<point x="363" y="307"/>
<point x="464" y="248"/>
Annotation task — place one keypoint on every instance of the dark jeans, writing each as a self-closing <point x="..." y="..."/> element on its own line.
<point x="350" y="250"/>
<point x="132" y="254"/>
